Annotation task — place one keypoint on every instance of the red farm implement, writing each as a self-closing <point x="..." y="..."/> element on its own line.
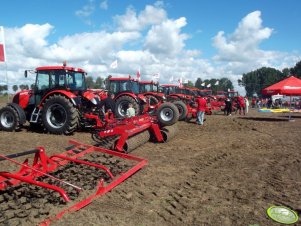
<point x="124" y="135"/>
<point x="44" y="190"/>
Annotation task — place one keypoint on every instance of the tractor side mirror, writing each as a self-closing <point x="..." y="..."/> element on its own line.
<point x="25" y="73"/>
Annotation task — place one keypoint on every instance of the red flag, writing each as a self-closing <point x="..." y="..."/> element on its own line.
<point x="2" y="46"/>
<point x="138" y="74"/>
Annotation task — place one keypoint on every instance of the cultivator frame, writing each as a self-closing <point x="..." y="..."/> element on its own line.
<point x="129" y="127"/>
<point x="43" y="165"/>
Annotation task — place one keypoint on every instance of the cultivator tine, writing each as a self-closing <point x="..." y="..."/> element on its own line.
<point x="41" y="172"/>
<point x="96" y="170"/>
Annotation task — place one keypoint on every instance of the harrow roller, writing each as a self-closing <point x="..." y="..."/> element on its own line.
<point x="136" y="141"/>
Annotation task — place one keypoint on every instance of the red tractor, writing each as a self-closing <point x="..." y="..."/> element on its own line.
<point x="152" y="91"/>
<point x="57" y="102"/>
<point x="126" y="91"/>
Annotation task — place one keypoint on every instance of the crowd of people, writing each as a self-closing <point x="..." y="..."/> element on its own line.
<point x="236" y="105"/>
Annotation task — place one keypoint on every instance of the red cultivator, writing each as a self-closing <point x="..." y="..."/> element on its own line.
<point x="31" y="193"/>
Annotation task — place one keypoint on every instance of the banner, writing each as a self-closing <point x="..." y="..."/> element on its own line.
<point x="180" y="82"/>
<point x="2" y="45"/>
<point x="209" y="85"/>
<point x="203" y="84"/>
<point x="138" y="74"/>
<point x="156" y="76"/>
<point x="217" y="82"/>
<point x="114" y="64"/>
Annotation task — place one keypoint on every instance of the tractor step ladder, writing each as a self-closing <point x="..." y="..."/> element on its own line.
<point x="35" y="115"/>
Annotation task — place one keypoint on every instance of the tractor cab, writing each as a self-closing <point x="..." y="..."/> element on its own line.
<point x="149" y="86"/>
<point x="121" y="85"/>
<point x="126" y="91"/>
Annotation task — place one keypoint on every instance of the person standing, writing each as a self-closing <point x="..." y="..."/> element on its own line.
<point x="242" y="105"/>
<point x="247" y="104"/>
<point x="130" y="112"/>
<point x="202" y="104"/>
<point x="228" y="106"/>
<point x="108" y="103"/>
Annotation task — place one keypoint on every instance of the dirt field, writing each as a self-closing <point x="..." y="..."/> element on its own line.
<point x="227" y="172"/>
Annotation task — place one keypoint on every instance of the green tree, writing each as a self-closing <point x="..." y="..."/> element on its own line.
<point x="189" y="84"/>
<point x="99" y="83"/>
<point x="15" y="88"/>
<point x="198" y="83"/>
<point x="89" y="82"/>
<point x="296" y="71"/>
<point x="225" y="84"/>
<point x="255" y="81"/>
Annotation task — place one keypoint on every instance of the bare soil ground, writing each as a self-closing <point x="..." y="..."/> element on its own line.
<point x="227" y="172"/>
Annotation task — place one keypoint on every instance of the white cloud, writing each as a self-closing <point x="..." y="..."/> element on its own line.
<point x="243" y="45"/>
<point x="163" y="49"/>
<point x="149" y="16"/>
<point x="104" y="5"/>
<point x="166" y="38"/>
<point x="87" y="9"/>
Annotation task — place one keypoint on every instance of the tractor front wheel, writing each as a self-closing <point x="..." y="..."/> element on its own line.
<point x="168" y="114"/>
<point x="59" y="115"/>
<point x="9" y="119"/>
<point x="122" y="104"/>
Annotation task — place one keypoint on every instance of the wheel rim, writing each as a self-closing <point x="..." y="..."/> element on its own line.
<point x="56" y="116"/>
<point x="7" y="119"/>
<point x="167" y="114"/>
<point x="122" y="108"/>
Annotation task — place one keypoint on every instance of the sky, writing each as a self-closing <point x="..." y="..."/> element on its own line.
<point x="175" y="38"/>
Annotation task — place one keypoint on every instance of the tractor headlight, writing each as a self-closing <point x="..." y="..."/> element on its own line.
<point x="94" y="101"/>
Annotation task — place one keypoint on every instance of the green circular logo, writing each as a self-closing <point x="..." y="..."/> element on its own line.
<point x="282" y="214"/>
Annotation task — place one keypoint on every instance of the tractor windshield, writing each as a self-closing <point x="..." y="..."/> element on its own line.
<point x="135" y="87"/>
<point x="58" y="79"/>
<point x="148" y="88"/>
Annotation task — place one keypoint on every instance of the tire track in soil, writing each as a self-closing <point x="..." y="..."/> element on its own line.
<point x="180" y="205"/>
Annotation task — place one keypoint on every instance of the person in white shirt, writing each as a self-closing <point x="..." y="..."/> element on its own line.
<point x="247" y="104"/>
<point x="130" y="112"/>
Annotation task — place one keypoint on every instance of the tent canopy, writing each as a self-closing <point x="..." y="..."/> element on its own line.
<point x="288" y="86"/>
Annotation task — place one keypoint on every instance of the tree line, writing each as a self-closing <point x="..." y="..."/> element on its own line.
<point x="261" y="78"/>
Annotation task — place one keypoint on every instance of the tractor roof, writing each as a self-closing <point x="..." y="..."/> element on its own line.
<point x="122" y="79"/>
<point x="47" y="68"/>
<point x="169" y="85"/>
<point x="148" y="82"/>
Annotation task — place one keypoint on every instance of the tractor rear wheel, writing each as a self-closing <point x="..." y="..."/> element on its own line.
<point x="168" y="114"/>
<point x="182" y="109"/>
<point x="59" y="115"/>
<point x="122" y="104"/>
<point x="9" y="119"/>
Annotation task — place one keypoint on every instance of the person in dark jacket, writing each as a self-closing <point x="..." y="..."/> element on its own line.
<point x="108" y="103"/>
<point x="228" y="106"/>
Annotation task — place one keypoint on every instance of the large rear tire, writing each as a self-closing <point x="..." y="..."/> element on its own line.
<point x="122" y="104"/>
<point x="182" y="109"/>
<point x="167" y="114"/>
<point x="9" y="119"/>
<point x="59" y="115"/>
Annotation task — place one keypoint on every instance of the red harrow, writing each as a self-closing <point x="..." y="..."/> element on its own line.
<point x="45" y="190"/>
<point x="126" y="134"/>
